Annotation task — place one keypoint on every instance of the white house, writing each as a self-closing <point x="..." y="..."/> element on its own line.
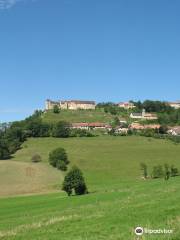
<point x="144" y="115"/>
<point x="175" y="105"/>
<point x="175" y="131"/>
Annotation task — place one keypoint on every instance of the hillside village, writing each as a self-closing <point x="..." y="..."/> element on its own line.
<point x="79" y="104"/>
<point x="134" y="120"/>
<point x="110" y="145"/>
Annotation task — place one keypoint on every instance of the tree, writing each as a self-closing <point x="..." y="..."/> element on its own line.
<point x="58" y="158"/>
<point x="167" y="171"/>
<point x="33" y="125"/>
<point x="144" y="169"/>
<point x="61" y="165"/>
<point x="61" y="129"/>
<point x="174" y="171"/>
<point x="157" y="172"/>
<point x="4" y="151"/>
<point x="56" y="109"/>
<point x="115" y="122"/>
<point x="163" y="129"/>
<point x="74" y="181"/>
<point x="113" y="111"/>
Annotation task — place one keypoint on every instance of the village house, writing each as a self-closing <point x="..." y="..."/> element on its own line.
<point x="121" y="130"/>
<point x="175" y="105"/>
<point x="84" y="126"/>
<point x="126" y="105"/>
<point x="138" y="126"/>
<point x="144" y="116"/>
<point x="70" y="104"/>
<point x="175" y="131"/>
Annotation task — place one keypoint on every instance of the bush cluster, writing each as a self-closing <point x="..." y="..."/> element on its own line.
<point x="58" y="158"/>
<point x="36" y="158"/>
<point x="81" y="133"/>
<point x="160" y="171"/>
<point x="10" y="141"/>
<point x="56" y="109"/>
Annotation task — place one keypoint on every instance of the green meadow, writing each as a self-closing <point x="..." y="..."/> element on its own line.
<point x="119" y="199"/>
<point x="78" y="116"/>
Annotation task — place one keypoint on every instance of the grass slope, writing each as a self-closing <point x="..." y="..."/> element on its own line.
<point x="106" y="160"/>
<point x="78" y="116"/>
<point x="119" y="201"/>
<point x="25" y="178"/>
<point x="99" y="216"/>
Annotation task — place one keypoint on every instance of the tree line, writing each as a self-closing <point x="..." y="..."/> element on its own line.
<point x="159" y="171"/>
<point x="15" y="134"/>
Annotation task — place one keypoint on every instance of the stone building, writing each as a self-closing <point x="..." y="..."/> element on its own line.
<point x="70" y="104"/>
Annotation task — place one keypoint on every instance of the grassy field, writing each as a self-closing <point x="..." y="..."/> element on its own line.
<point x="119" y="199"/>
<point x="78" y="116"/>
<point x="106" y="160"/>
<point x="25" y="178"/>
<point x="102" y="215"/>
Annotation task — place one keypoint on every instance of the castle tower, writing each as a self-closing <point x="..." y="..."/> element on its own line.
<point x="47" y="104"/>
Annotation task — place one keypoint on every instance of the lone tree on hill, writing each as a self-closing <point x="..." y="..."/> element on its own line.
<point x="58" y="158"/>
<point x="74" y="181"/>
<point x="144" y="169"/>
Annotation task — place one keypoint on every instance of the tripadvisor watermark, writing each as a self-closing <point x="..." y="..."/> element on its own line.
<point x="139" y="231"/>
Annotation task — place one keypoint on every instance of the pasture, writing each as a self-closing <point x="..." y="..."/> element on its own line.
<point x="78" y="116"/>
<point x="119" y="199"/>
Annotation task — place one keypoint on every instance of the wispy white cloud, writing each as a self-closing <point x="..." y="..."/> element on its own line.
<point x="5" y="4"/>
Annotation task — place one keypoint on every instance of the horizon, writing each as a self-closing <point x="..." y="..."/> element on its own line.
<point x="43" y="109"/>
<point x="98" y="50"/>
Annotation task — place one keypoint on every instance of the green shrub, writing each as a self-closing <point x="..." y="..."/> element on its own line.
<point x="56" y="109"/>
<point x="58" y="158"/>
<point x="81" y="133"/>
<point x="36" y="158"/>
<point x="174" y="171"/>
<point x="61" y="165"/>
<point x="157" y="172"/>
<point x="166" y="171"/>
<point x="144" y="169"/>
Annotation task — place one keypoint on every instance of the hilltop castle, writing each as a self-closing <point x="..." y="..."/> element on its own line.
<point x="70" y="104"/>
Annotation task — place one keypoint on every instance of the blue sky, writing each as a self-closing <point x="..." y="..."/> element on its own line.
<point x="103" y="50"/>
